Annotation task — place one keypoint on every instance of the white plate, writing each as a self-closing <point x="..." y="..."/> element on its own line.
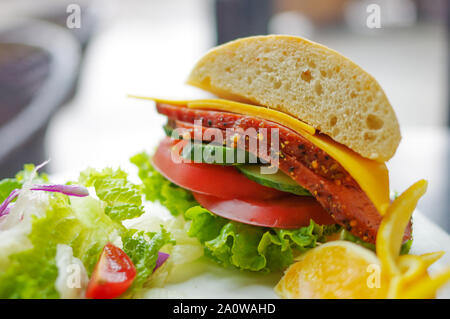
<point x="206" y="280"/>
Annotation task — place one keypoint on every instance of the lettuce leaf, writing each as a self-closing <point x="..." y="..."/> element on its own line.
<point x="251" y="247"/>
<point x="7" y="185"/>
<point x="31" y="275"/>
<point x="229" y="243"/>
<point x="94" y="229"/>
<point x="123" y="199"/>
<point x="25" y="174"/>
<point x="142" y="248"/>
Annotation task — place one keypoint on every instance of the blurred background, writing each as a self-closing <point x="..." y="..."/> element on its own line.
<point x="66" y="68"/>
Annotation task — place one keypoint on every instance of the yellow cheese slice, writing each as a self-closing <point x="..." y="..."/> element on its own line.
<point x="253" y="110"/>
<point x="371" y="176"/>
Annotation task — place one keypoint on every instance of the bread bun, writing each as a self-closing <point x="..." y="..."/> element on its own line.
<point x="306" y="80"/>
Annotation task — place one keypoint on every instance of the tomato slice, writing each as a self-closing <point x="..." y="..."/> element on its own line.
<point x="286" y="212"/>
<point x="112" y="275"/>
<point x="215" y="180"/>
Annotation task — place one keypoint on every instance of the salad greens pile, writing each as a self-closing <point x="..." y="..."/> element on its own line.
<point x="38" y="223"/>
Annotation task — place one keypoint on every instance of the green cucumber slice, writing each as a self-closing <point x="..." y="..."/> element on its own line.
<point x="214" y="154"/>
<point x="279" y="181"/>
<point x="168" y="130"/>
<point x="217" y="154"/>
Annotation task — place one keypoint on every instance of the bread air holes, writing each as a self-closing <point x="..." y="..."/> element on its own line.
<point x="333" y="121"/>
<point x="318" y="88"/>
<point x="267" y="68"/>
<point x="374" y="122"/>
<point x="283" y="57"/>
<point x="277" y="84"/>
<point x="306" y="76"/>
<point x="335" y="131"/>
<point x="369" y="137"/>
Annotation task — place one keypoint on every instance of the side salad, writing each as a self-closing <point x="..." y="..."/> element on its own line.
<point x="68" y="241"/>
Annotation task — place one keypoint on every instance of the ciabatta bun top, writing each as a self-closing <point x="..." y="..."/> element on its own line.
<point x="306" y="80"/>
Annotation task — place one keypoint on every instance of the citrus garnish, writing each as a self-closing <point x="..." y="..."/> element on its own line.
<point x="342" y="269"/>
<point x="338" y="269"/>
<point x="393" y="224"/>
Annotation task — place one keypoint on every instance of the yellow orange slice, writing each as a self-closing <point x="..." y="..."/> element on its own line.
<point x="392" y="227"/>
<point x="426" y="287"/>
<point x="338" y="269"/>
<point x="431" y="258"/>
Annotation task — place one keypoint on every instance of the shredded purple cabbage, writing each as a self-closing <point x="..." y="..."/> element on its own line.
<point x="162" y="257"/>
<point x="8" y="208"/>
<point x="4" y="206"/>
<point x="70" y="190"/>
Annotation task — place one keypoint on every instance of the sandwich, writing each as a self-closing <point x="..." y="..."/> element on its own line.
<point x="290" y="154"/>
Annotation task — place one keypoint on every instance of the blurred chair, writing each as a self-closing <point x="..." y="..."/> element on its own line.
<point x="40" y="60"/>
<point x="23" y="70"/>
<point x="241" y="18"/>
<point x="38" y="67"/>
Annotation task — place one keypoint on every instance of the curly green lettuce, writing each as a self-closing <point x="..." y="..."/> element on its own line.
<point x="250" y="247"/>
<point x="123" y="199"/>
<point x="142" y="248"/>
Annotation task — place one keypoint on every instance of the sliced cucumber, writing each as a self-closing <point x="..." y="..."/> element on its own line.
<point x="279" y="181"/>
<point x="217" y="154"/>
<point x="168" y="130"/>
